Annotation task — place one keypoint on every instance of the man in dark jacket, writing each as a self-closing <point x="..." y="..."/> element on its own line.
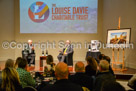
<point x="66" y="55"/>
<point x="62" y="83"/>
<point x="80" y="77"/>
<point x="103" y="76"/>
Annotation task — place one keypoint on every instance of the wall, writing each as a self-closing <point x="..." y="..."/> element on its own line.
<point x="126" y="9"/>
<point x="79" y="54"/>
<point x="108" y="13"/>
<point x="6" y="28"/>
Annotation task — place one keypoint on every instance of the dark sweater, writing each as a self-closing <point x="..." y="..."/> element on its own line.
<point x="63" y="85"/>
<point x="89" y="71"/>
<point x="101" y="78"/>
<point x="82" y="79"/>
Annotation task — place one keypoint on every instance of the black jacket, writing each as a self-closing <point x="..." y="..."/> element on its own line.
<point x="89" y="71"/>
<point x="63" y="85"/>
<point x="101" y="78"/>
<point x="82" y="79"/>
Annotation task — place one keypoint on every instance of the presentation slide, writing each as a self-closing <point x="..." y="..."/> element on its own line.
<point x="58" y="16"/>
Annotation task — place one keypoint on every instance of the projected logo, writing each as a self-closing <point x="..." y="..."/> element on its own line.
<point x="38" y="12"/>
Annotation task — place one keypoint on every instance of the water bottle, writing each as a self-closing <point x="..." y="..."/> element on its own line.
<point x="42" y="53"/>
<point x="46" y="52"/>
<point x="89" y="49"/>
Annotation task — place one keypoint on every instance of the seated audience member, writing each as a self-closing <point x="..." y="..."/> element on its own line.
<point x="107" y="58"/>
<point x="103" y="76"/>
<point x="91" y="68"/>
<point x="9" y="63"/>
<point x="112" y="86"/>
<point x="80" y="77"/>
<point x="100" y="57"/>
<point x="17" y="61"/>
<point x="62" y="83"/>
<point x="50" y="67"/>
<point x="25" y="76"/>
<point x="10" y="80"/>
<point x="132" y="82"/>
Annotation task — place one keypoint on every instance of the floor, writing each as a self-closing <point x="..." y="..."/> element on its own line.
<point x="124" y="84"/>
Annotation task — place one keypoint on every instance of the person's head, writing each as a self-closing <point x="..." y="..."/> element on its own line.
<point x="49" y="59"/>
<point x="104" y="66"/>
<point x="112" y="86"/>
<point x="17" y="61"/>
<point x="29" y="41"/>
<point x="22" y="63"/>
<point x="100" y="57"/>
<point x="61" y="71"/>
<point x="79" y="67"/>
<point x="9" y="63"/>
<point x="10" y="78"/>
<point x="68" y="42"/>
<point x="92" y="62"/>
<point x="107" y="58"/>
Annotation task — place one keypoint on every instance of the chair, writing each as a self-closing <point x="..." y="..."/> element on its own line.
<point x="29" y="88"/>
<point x="69" y="59"/>
<point x="30" y="57"/>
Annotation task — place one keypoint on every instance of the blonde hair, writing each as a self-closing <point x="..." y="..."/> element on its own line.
<point x="104" y="65"/>
<point x="9" y="63"/>
<point x="10" y="78"/>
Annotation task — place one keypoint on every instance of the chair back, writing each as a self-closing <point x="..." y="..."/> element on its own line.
<point x="29" y="88"/>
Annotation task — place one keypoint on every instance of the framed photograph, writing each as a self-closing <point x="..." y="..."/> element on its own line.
<point x="118" y="36"/>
